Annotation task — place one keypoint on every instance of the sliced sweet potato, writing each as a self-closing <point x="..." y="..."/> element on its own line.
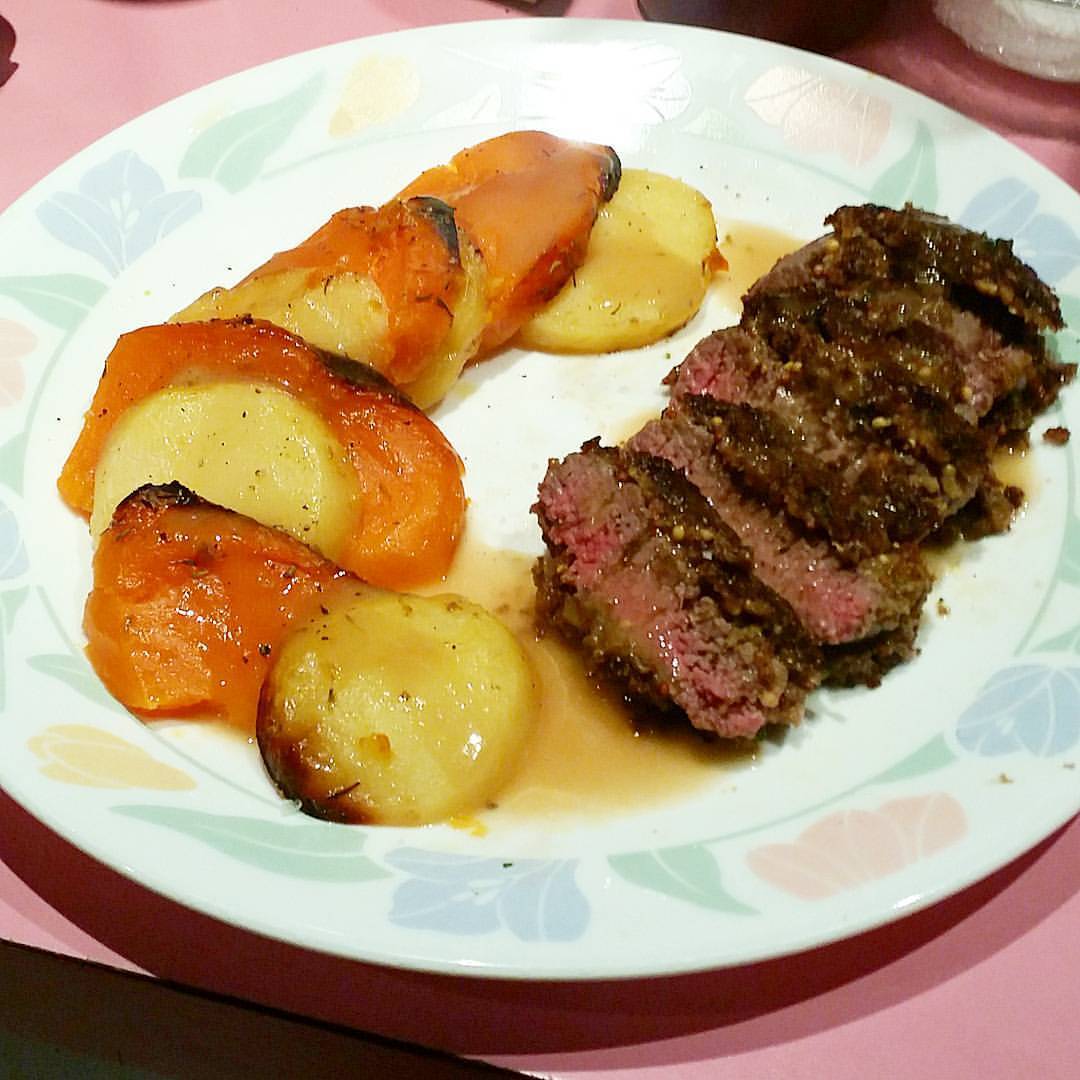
<point x="393" y="287"/>
<point x="190" y="602"/>
<point x="408" y="500"/>
<point x="528" y="201"/>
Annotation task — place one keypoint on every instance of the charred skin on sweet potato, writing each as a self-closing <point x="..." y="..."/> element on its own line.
<point x="190" y="602"/>
<point x="407" y="499"/>
<point x="395" y="287"/>
<point x="447" y="270"/>
<point x="527" y="200"/>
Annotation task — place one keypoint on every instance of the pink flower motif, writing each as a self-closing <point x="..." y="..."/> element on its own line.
<point x="851" y="847"/>
<point x="818" y="115"/>
<point x="15" y="341"/>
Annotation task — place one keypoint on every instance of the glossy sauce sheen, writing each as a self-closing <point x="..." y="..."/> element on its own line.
<point x="751" y="251"/>
<point x="589" y="754"/>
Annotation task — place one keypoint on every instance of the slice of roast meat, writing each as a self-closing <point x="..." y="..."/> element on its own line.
<point x="966" y="298"/>
<point x="801" y="451"/>
<point x="837" y="603"/>
<point x="659" y="592"/>
<point x="885" y="366"/>
<point x="872" y="244"/>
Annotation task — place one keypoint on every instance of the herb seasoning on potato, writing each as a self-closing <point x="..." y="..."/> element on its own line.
<point x="395" y="709"/>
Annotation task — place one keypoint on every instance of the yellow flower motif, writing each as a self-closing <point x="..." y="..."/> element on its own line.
<point x="78" y="754"/>
<point x="377" y="89"/>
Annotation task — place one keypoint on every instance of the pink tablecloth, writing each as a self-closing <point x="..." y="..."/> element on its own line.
<point x="983" y="985"/>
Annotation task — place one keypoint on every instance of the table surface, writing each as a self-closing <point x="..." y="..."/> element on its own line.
<point x="983" y="984"/>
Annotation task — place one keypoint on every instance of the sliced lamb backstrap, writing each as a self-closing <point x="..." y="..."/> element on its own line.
<point x="870" y="606"/>
<point x="764" y="533"/>
<point x="659" y="592"/>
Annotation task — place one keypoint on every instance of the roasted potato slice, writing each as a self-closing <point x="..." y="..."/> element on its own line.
<point x="395" y="709"/>
<point x="348" y="463"/>
<point x="650" y="257"/>
<point x="394" y="287"/>
<point x="251" y="446"/>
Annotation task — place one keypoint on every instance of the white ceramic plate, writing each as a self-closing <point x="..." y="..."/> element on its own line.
<point x="884" y="801"/>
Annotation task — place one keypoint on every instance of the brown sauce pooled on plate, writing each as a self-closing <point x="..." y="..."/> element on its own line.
<point x="590" y="753"/>
<point x="751" y="251"/>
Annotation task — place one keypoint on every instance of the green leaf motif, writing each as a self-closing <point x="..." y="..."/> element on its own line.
<point x="315" y="852"/>
<point x="73" y="672"/>
<point x="932" y="756"/>
<point x="60" y="299"/>
<point x="12" y="458"/>
<point x="687" y="873"/>
<point x="1068" y="642"/>
<point x="913" y="178"/>
<point x="1066" y="340"/>
<point x="1069" y="563"/>
<point x="234" y="150"/>
<point x="10" y="602"/>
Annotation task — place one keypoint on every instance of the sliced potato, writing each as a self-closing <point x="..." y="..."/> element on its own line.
<point x="344" y="314"/>
<point x="394" y="287"/>
<point x="429" y="387"/>
<point x="649" y="260"/>
<point x="253" y="447"/>
<point x="395" y="709"/>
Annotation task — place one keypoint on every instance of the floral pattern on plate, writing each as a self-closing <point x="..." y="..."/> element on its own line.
<point x="119" y="211"/>
<point x="86" y="756"/>
<point x="849" y="848"/>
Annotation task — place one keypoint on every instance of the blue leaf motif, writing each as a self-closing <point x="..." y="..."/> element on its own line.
<point x="82" y="224"/>
<point x="1050" y="245"/>
<point x="1031" y="707"/>
<point x="534" y="899"/>
<point x="13" y="558"/>
<point x="1010" y="208"/>
<point x="1002" y="209"/>
<point x="119" y="212"/>
<point x="437" y="905"/>
<point x="545" y="904"/>
<point x="159" y="217"/>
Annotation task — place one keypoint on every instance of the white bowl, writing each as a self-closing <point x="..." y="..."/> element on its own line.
<point x="1041" y="37"/>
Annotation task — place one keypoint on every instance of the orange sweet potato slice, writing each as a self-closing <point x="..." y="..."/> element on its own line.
<point x="190" y="602"/>
<point x="389" y="286"/>
<point x="410" y="251"/>
<point x="409" y="495"/>
<point x="527" y="200"/>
